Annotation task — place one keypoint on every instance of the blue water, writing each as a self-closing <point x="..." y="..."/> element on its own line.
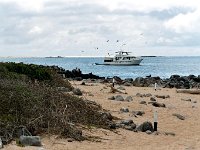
<point x="156" y="66"/>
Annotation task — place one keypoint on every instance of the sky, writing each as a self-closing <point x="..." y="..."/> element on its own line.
<point x="40" y="28"/>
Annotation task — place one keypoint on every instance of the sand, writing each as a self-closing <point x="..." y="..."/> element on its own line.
<point x="187" y="132"/>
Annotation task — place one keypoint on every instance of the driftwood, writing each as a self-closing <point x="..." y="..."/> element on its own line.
<point x="190" y="91"/>
<point x="114" y="90"/>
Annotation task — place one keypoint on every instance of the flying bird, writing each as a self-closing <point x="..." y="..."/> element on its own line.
<point x="107" y="41"/>
<point x="117" y="41"/>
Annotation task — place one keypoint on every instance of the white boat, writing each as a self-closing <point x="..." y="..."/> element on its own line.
<point x="122" y="58"/>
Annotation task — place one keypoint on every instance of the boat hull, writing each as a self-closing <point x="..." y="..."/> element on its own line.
<point x="124" y="63"/>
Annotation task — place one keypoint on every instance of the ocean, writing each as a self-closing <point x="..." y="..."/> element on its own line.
<point x="154" y="66"/>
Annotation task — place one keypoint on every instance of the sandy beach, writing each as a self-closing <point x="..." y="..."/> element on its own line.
<point x="187" y="132"/>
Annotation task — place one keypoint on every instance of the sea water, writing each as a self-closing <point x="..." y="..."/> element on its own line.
<point x="154" y="66"/>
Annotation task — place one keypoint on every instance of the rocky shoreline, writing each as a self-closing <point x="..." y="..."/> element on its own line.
<point x="175" y="81"/>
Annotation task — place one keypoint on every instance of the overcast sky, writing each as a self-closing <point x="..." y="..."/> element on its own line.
<point x="96" y="27"/>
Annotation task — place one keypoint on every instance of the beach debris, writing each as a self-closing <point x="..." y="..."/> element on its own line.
<point x="114" y="90"/>
<point x="186" y="99"/>
<point x="156" y="104"/>
<point x="152" y="99"/>
<point x="123" y="109"/>
<point x="145" y="126"/>
<point x="30" y="141"/>
<point x="170" y="133"/>
<point x="189" y="91"/>
<point x="119" y="98"/>
<point x="143" y="102"/>
<point x="129" y="98"/>
<point x="179" y="116"/>
<point x="90" y="94"/>
<point x="77" y="91"/>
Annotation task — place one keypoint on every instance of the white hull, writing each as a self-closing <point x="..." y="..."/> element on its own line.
<point x="124" y="63"/>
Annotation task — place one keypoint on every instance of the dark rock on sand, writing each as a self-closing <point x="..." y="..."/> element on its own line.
<point x="124" y="110"/>
<point x="162" y="96"/>
<point x="119" y="98"/>
<point x="156" y="104"/>
<point x="145" y="126"/>
<point x="143" y="102"/>
<point x="152" y="99"/>
<point x="130" y="127"/>
<point x="126" y="122"/>
<point x="129" y="98"/>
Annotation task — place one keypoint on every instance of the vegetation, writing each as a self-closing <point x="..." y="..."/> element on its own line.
<point x="29" y="97"/>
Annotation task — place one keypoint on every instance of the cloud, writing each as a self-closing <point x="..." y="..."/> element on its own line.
<point x="66" y="27"/>
<point x="188" y="22"/>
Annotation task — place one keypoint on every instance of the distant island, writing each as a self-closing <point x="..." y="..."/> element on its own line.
<point x="54" y="57"/>
<point x="149" y="56"/>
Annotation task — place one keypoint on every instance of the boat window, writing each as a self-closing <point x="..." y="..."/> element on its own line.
<point x="108" y="60"/>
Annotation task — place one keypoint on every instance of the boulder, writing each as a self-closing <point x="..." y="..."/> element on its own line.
<point x="129" y="98"/>
<point x="139" y="82"/>
<point x="119" y="98"/>
<point x="129" y="80"/>
<point x="30" y="141"/>
<point x="145" y="127"/>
